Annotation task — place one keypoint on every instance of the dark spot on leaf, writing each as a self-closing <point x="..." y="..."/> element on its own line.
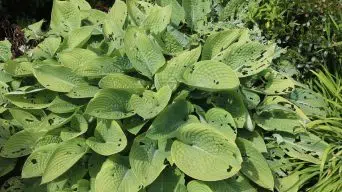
<point x="33" y="161"/>
<point x="229" y="168"/>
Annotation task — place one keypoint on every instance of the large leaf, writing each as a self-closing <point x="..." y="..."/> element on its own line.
<point x="78" y="37"/>
<point x="109" y="138"/>
<point x="47" y="49"/>
<point x="178" y="12"/>
<point x="205" y="154"/>
<point x="76" y="58"/>
<point x="169" y="120"/>
<point x="211" y="76"/>
<point x="65" y="16"/>
<point x="304" y="146"/>
<point x="115" y="176"/>
<point x="77" y="126"/>
<point x="172" y="73"/>
<point x="20" y="144"/>
<point x="33" y="99"/>
<point x="247" y="59"/>
<point x="63" y="158"/>
<point x="146" y="160"/>
<point x="219" y="42"/>
<point x="36" y="163"/>
<point x="18" y="69"/>
<point x="110" y="104"/>
<point x="150" y="104"/>
<point x="310" y="102"/>
<point x="113" y="25"/>
<point x="57" y="78"/>
<point x="5" y="51"/>
<point x="270" y="82"/>
<point x="196" y="12"/>
<point x="222" y="121"/>
<point x="145" y="55"/>
<point x="121" y="81"/>
<point x="157" y="19"/>
<point x="254" y="165"/>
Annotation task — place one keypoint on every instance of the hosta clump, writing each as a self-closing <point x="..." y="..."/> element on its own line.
<point x="147" y="97"/>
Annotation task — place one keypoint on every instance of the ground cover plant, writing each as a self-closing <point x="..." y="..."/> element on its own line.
<point x="150" y="97"/>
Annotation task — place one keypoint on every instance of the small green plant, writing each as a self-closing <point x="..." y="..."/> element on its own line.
<point x="150" y="97"/>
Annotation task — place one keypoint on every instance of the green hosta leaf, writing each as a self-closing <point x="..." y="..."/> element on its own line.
<point x="83" y="91"/>
<point x="5" y="51"/>
<point x="278" y="114"/>
<point x="218" y="42"/>
<point x="47" y="49"/>
<point x="157" y="19"/>
<point x="146" y="161"/>
<point x="196" y="12"/>
<point x="145" y="55"/>
<point x="5" y="77"/>
<point x="63" y="105"/>
<point x="248" y="59"/>
<point x="204" y="153"/>
<point x="99" y="67"/>
<point x="63" y="158"/>
<point x="76" y="58"/>
<point x="178" y="12"/>
<point x="110" y="104"/>
<point x="113" y="25"/>
<point x="33" y="99"/>
<point x="115" y="176"/>
<point x="69" y="178"/>
<point x="134" y="124"/>
<point x="170" y="180"/>
<point x="222" y="121"/>
<point x="118" y="13"/>
<point x="78" y="126"/>
<point x="36" y="163"/>
<point x="311" y="103"/>
<point x="270" y="82"/>
<point x="172" y="41"/>
<point x="150" y="104"/>
<point x="119" y="81"/>
<point x="172" y="73"/>
<point x="109" y="138"/>
<point x="65" y="16"/>
<point x="254" y="165"/>
<point x="57" y="78"/>
<point x="169" y="120"/>
<point x="235" y="184"/>
<point x="250" y="98"/>
<point x="53" y="121"/>
<point x="211" y="76"/>
<point x="255" y="138"/>
<point x="78" y="37"/>
<point x="18" y="69"/>
<point x="94" y="16"/>
<point x="6" y="165"/>
<point x="94" y="164"/>
<point x="13" y="184"/>
<point x="20" y="144"/>
<point x="304" y="146"/>
<point x="34" y="31"/>
<point x="24" y="118"/>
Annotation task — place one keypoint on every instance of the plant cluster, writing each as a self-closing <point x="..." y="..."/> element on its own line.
<point x="309" y="29"/>
<point x="149" y="97"/>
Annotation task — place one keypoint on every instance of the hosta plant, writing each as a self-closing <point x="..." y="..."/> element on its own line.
<point x="150" y="97"/>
